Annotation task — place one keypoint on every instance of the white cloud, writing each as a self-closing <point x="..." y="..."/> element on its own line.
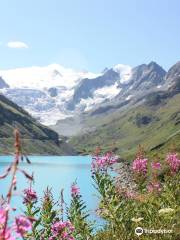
<point x="124" y="71"/>
<point x="39" y="77"/>
<point x="17" y="44"/>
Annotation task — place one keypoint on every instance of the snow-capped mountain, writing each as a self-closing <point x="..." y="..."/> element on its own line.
<point x="42" y="91"/>
<point x="48" y="92"/>
<point x="53" y="93"/>
<point x="92" y="91"/>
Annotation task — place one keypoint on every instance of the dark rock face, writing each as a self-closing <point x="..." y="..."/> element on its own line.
<point x="87" y="86"/>
<point x="53" y="92"/>
<point x="141" y="120"/>
<point x="174" y="72"/>
<point x="3" y="84"/>
<point x="173" y="78"/>
<point x="17" y="116"/>
<point x="143" y="78"/>
<point x="147" y="76"/>
<point x="170" y="88"/>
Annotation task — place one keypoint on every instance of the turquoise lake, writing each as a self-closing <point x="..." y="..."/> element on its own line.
<point x="56" y="172"/>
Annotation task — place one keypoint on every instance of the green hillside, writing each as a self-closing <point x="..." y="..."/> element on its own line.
<point x="154" y="125"/>
<point x="37" y="138"/>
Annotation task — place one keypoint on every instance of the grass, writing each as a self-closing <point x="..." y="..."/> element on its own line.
<point x="123" y="131"/>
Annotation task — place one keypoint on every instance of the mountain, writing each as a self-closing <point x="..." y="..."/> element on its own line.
<point x="173" y="77"/>
<point x="54" y="93"/>
<point x="151" y="119"/>
<point x="36" y="138"/>
<point x="43" y="91"/>
<point x="102" y="87"/>
<point x="128" y="88"/>
<point x="3" y="84"/>
<point x="145" y="77"/>
<point x="121" y="106"/>
<point x="150" y="125"/>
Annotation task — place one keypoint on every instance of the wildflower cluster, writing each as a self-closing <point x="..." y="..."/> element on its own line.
<point x="122" y="207"/>
<point x="154" y="187"/>
<point x="30" y="196"/>
<point x="5" y="234"/>
<point x="173" y="162"/>
<point x="156" y="165"/>
<point x="140" y="165"/>
<point x="102" y="163"/>
<point x="78" y="215"/>
<point x="75" y="190"/>
<point x="62" y="230"/>
<point x="22" y="226"/>
<point x="129" y="205"/>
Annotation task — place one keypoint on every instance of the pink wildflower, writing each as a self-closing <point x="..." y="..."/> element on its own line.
<point x="30" y="196"/>
<point x="156" y="165"/>
<point x="103" y="162"/>
<point x="2" y="216"/>
<point x="173" y="161"/>
<point x="7" y="235"/>
<point x="75" y="190"/>
<point x="4" y="234"/>
<point x="140" y="165"/>
<point x="154" y="187"/>
<point x="22" y="225"/>
<point x="62" y="230"/>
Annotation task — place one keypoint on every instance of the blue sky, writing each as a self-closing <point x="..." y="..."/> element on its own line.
<point x="89" y="34"/>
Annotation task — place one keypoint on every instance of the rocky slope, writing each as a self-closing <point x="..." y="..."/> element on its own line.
<point x="151" y="119"/>
<point x="53" y="93"/>
<point x="3" y="84"/>
<point x="43" y="91"/>
<point x="92" y="107"/>
<point x="131" y="88"/>
<point x="36" y="138"/>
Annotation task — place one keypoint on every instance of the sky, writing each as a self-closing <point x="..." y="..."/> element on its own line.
<point x="89" y="34"/>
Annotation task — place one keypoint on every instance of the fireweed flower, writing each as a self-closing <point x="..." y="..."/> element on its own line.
<point x="75" y="190"/>
<point x="2" y="216"/>
<point x="30" y="196"/>
<point x="156" y="165"/>
<point x="103" y="162"/>
<point x="7" y="235"/>
<point x="154" y="187"/>
<point x="140" y="165"/>
<point x="62" y="230"/>
<point x="22" y="226"/>
<point x="173" y="162"/>
<point x="4" y="234"/>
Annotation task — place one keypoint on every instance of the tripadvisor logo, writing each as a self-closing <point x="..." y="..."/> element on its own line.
<point x="138" y="231"/>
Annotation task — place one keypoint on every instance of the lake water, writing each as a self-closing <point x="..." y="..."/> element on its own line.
<point x="57" y="172"/>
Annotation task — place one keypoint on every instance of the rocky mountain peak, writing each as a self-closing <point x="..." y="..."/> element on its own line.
<point x="3" y="84"/>
<point x="152" y="74"/>
<point x="174" y="71"/>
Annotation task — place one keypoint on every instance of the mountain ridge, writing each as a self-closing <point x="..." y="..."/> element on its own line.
<point x="152" y="120"/>
<point x="37" y="138"/>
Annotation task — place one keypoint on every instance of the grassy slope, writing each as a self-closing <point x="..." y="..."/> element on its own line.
<point x="125" y="132"/>
<point x="37" y="138"/>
